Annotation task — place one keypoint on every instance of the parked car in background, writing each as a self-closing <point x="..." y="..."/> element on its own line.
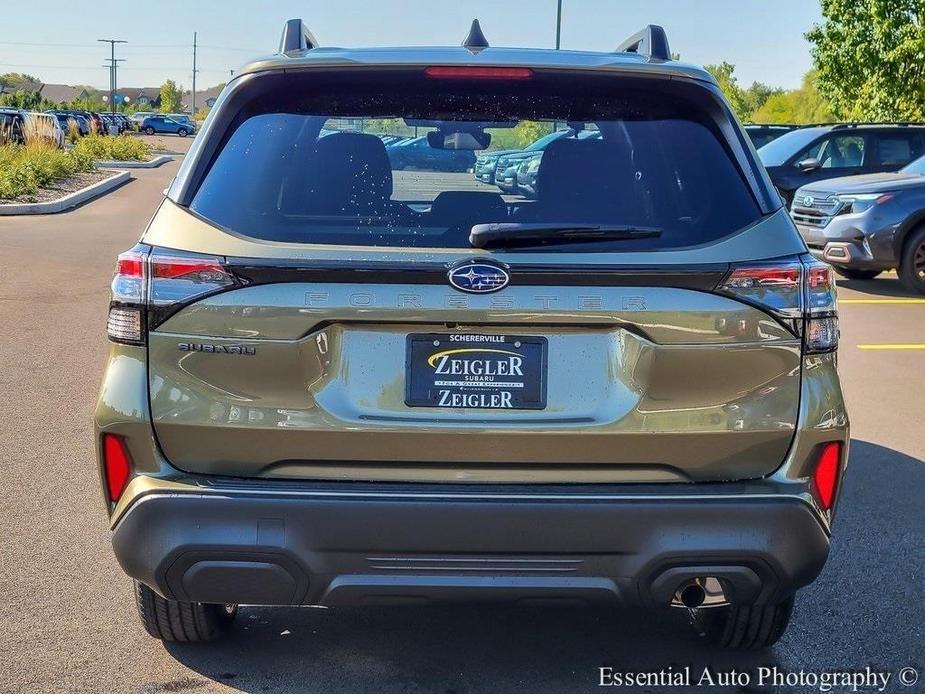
<point x="864" y="225"/>
<point x="508" y="164"/>
<point x="97" y="124"/>
<point x="761" y="134"/>
<point x="486" y="166"/>
<point x="112" y="124"/>
<point x="45" y="126"/>
<point x="66" y="117"/>
<point x="84" y="124"/>
<point x="487" y="163"/>
<point x="125" y="123"/>
<point x="416" y="153"/>
<point x="12" y="126"/>
<point x="158" y="124"/>
<point x="182" y="118"/>
<point x="812" y="154"/>
<point x="527" y="176"/>
<point x="139" y="117"/>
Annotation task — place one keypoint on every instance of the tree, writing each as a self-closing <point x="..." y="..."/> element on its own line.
<point x="801" y="106"/>
<point x="871" y="58"/>
<point x="16" y="80"/>
<point x="520" y="136"/>
<point x="757" y="96"/>
<point x="171" y="97"/>
<point x="724" y="74"/>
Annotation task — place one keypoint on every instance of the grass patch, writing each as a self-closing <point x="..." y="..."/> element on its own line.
<point x="26" y="168"/>
<point x="114" y="148"/>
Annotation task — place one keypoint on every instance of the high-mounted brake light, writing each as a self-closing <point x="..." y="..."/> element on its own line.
<point x="117" y="466"/>
<point x="825" y="476"/>
<point x="465" y="72"/>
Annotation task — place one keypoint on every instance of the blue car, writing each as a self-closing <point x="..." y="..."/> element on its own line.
<point x="165" y="124"/>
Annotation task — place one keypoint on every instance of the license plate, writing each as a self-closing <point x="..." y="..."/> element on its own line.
<point x="494" y="372"/>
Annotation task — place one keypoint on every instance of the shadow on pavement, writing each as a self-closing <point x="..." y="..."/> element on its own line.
<point x="885" y="285"/>
<point x="869" y="593"/>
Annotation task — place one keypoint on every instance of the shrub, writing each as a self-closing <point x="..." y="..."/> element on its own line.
<point x="73" y="131"/>
<point x="26" y="168"/>
<point x="117" y="148"/>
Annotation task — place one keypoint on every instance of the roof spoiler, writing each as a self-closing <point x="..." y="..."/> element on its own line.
<point x="652" y="42"/>
<point x="296" y="37"/>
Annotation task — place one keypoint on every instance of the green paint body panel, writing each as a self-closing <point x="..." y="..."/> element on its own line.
<point x="693" y="387"/>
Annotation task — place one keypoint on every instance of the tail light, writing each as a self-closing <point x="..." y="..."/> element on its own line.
<point x="800" y="293"/>
<point x="825" y="476"/>
<point x="117" y="466"/>
<point x="151" y="284"/>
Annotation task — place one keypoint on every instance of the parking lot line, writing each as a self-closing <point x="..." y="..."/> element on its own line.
<point x="897" y="346"/>
<point x="881" y="301"/>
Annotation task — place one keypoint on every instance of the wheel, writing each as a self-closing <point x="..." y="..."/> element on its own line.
<point x="172" y="620"/>
<point x="912" y="263"/>
<point x="743" y="627"/>
<point x="851" y="274"/>
<point x="181" y="132"/>
<point x="149" y="130"/>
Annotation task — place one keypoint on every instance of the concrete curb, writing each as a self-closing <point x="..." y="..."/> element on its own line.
<point x="154" y="163"/>
<point x="68" y="201"/>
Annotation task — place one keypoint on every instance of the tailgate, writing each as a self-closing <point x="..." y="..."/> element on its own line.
<point x="615" y="384"/>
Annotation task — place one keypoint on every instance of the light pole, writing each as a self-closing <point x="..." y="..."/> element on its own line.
<point x="112" y="70"/>
<point x="558" y="24"/>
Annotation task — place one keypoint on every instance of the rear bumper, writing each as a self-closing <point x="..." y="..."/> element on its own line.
<point x="336" y="548"/>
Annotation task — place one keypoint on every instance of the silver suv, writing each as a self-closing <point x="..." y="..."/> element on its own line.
<point x="334" y="383"/>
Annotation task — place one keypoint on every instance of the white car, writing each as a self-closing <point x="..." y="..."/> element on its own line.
<point x="139" y="117"/>
<point x="45" y="126"/>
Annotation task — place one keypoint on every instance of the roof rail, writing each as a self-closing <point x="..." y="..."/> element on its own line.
<point x="652" y="42"/>
<point x="296" y="37"/>
<point x="855" y="124"/>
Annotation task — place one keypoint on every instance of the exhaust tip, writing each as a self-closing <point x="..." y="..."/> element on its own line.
<point x="703" y="591"/>
<point x="692" y="596"/>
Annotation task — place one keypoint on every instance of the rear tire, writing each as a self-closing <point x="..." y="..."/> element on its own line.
<point x="173" y="620"/>
<point x="911" y="268"/>
<point x="743" y="627"/>
<point x="149" y="131"/>
<point x="852" y="274"/>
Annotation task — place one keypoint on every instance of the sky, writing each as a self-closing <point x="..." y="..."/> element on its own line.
<point x="764" y="40"/>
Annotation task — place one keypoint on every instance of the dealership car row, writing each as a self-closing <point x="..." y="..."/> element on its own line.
<point x="53" y="125"/>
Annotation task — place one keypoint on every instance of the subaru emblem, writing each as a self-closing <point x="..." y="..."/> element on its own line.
<point x="478" y="277"/>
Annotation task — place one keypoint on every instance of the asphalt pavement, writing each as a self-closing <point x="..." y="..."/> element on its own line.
<point x="67" y="619"/>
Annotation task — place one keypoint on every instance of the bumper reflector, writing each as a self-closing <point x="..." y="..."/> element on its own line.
<point x="825" y="476"/>
<point x="117" y="466"/>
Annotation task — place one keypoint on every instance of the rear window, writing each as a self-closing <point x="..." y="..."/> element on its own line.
<point x="322" y="165"/>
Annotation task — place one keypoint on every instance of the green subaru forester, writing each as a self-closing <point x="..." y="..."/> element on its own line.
<point x="334" y="382"/>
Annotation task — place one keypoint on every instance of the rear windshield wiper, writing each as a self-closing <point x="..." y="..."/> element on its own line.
<point x="530" y="234"/>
